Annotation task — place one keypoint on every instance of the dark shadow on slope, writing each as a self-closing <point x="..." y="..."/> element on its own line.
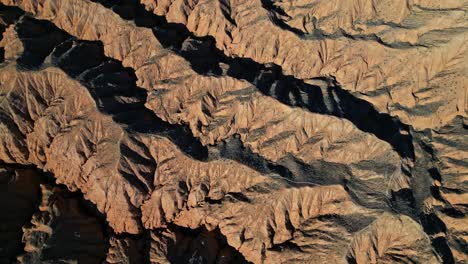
<point x="201" y="246"/>
<point x="327" y="98"/>
<point x="109" y="83"/>
<point x="113" y="88"/>
<point x="425" y="173"/>
<point x="296" y="173"/>
<point x="79" y="230"/>
<point x="279" y="17"/>
<point x="205" y="58"/>
<point x="39" y="39"/>
<point x="9" y="15"/>
<point x="234" y="149"/>
<point x="275" y="14"/>
<point x="433" y="225"/>
<point x="19" y="199"/>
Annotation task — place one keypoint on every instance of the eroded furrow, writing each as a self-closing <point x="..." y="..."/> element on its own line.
<point x="293" y="163"/>
<point x="113" y="81"/>
<point x="200" y="52"/>
<point x="321" y="95"/>
<point x="111" y="85"/>
<point x="116" y="94"/>
<point x="179" y="144"/>
<point x="400" y="56"/>
<point x="279" y="17"/>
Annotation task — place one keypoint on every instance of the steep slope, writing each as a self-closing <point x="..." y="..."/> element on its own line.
<point x="199" y="139"/>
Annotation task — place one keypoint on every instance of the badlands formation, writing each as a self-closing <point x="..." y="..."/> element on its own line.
<point x="233" y="131"/>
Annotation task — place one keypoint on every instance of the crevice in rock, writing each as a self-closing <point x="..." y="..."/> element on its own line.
<point x="328" y="99"/>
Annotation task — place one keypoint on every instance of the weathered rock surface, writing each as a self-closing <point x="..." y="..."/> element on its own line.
<point x="233" y="131"/>
<point x="406" y="58"/>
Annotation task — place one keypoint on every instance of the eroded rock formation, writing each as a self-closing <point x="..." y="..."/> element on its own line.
<point x="233" y="131"/>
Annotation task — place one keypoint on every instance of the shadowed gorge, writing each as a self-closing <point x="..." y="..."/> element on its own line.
<point x="330" y="99"/>
<point x="20" y="197"/>
<point x="112" y="86"/>
<point x="229" y="131"/>
<point x="77" y="230"/>
<point x="107" y="80"/>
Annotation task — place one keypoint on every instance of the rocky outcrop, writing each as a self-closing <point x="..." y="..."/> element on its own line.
<point x="176" y="131"/>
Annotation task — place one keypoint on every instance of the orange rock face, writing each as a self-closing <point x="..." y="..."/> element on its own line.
<point x="236" y="131"/>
